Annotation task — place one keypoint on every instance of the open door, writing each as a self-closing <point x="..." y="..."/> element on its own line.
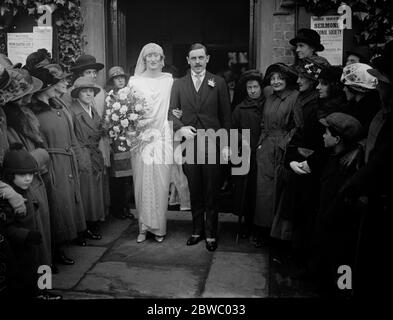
<point x="117" y="40"/>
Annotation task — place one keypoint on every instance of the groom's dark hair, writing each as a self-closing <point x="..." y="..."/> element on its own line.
<point x="196" y="46"/>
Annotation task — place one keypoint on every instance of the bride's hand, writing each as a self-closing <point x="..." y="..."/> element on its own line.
<point x="177" y="113"/>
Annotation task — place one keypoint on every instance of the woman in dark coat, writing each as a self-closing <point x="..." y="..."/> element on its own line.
<point x="62" y="180"/>
<point x="307" y="166"/>
<point x="87" y="127"/>
<point x="277" y="127"/>
<point x="23" y="128"/>
<point x="293" y="202"/>
<point x="248" y="115"/>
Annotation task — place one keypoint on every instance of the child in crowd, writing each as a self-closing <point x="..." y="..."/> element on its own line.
<point x="336" y="223"/>
<point x="23" y="231"/>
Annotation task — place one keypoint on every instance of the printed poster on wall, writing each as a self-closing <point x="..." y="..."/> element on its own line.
<point x="20" y="45"/>
<point x="42" y="38"/>
<point x="331" y="37"/>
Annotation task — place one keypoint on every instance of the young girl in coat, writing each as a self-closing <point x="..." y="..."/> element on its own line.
<point x="23" y="231"/>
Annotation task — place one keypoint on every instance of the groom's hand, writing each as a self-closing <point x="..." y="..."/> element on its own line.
<point x="188" y="132"/>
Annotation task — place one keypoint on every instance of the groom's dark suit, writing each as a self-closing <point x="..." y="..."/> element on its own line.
<point x="209" y="108"/>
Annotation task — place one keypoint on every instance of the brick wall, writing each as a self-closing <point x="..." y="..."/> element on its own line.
<point x="283" y="31"/>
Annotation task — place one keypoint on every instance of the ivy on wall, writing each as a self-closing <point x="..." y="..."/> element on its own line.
<point x="66" y="17"/>
<point x="374" y="17"/>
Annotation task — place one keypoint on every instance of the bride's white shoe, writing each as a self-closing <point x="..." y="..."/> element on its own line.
<point x="141" y="237"/>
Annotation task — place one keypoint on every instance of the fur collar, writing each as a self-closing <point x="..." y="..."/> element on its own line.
<point x="24" y="122"/>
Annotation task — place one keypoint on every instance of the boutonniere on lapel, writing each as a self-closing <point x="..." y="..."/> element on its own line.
<point x="211" y="82"/>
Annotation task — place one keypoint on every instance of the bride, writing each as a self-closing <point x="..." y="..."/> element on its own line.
<point x="152" y="178"/>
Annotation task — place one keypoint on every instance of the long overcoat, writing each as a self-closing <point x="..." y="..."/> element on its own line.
<point x="63" y="178"/>
<point x="87" y="131"/>
<point x="23" y="128"/>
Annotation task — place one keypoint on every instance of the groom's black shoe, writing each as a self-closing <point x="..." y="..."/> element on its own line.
<point x="194" y="240"/>
<point x="211" y="245"/>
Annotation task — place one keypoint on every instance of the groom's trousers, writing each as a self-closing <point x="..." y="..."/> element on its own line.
<point x="204" y="182"/>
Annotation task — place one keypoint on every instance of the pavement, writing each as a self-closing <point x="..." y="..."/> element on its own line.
<point x="118" y="267"/>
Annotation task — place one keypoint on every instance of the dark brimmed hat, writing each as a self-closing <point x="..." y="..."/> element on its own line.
<point x="6" y="62"/>
<point x="85" y="62"/>
<point x="383" y="65"/>
<point x="19" y="161"/>
<point x="363" y="52"/>
<point x="281" y="68"/>
<point x="311" y="67"/>
<point x="4" y="78"/>
<point x="46" y="77"/>
<point x="24" y="84"/>
<point x="37" y="59"/>
<point x="310" y="37"/>
<point x="116" y="72"/>
<point x="249" y="75"/>
<point x="84" y="83"/>
<point x="344" y="124"/>
<point x="57" y="71"/>
<point x="331" y="74"/>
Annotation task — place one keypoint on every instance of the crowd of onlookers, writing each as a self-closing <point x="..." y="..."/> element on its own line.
<point x="320" y="167"/>
<point x="55" y="159"/>
<point x="320" y="164"/>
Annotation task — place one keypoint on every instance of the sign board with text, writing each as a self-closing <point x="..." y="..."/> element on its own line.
<point x="332" y="37"/>
<point x="20" y="45"/>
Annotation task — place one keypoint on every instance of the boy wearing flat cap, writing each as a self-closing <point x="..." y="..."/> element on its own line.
<point x="336" y="222"/>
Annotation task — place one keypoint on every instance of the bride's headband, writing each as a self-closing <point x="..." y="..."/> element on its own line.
<point x="146" y="50"/>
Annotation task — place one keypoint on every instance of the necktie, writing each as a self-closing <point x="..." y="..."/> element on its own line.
<point x="198" y="82"/>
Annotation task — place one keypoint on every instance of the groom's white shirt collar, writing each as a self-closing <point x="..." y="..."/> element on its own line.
<point x="194" y="77"/>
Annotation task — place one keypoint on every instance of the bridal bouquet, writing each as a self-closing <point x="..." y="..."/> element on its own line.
<point x="125" y="119"/>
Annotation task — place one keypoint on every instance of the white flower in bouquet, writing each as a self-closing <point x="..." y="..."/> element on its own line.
<point x="122" y="148"/>
<point x="123" y="95"/>
<point x="116" y="129"/>
<point x="108" y="111"/>
<point x="132" y="116"/>
<point x="112" y="134"/>
<point x="122" y="138"/>
<point x="115" y="117"/>
<point x="116" y="106"/>
<point x="123" y="109"/>
<point x="108" y="98"/>
<point x="138" y="107"/>
<point x="124" y="123"/>
<point x="107" y="118"/>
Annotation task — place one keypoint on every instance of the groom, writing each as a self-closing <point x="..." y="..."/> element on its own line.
<point x="204" y="101"/>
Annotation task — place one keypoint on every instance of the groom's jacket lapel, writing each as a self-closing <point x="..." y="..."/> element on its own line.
<point x="205" y="89"/>
<point x="190" y="90"/>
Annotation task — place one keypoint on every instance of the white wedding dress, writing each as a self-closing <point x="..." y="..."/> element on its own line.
<point x="152" y="179"/>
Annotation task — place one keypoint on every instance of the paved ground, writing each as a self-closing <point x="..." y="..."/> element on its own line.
<point x="118" y="267"/>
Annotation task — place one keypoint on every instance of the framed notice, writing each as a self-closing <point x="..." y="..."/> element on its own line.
<point x="331" y="37"/>
<point x="19" y="46"/>
<point x="43" y="38"/>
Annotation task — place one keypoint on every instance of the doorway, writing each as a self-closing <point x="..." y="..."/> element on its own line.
<point x="223" y="26"/>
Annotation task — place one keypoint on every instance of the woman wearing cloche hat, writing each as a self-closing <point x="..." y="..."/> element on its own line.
<point x="87" y="127"/>
<point x="87" y="66"/>
<point x="276" y="131"/>
<point x="62" y="179"/>
<point x="360" y="91"/>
